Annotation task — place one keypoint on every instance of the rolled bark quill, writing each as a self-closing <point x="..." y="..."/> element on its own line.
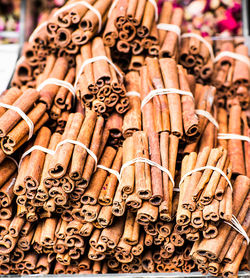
<point x="81" y="22"/>
<point x="37" y="157"/>
<point x="62" y="157"/>
<point x="235" y="147"/>
<point x="161" y="106"/>
<point x="246" y="132"/>
<point x="127" y="182"/>
<point x="109" y="187"/>
<point x="169" y="39"/>
<point x="190" y="119"/>
<point x="142" y="170"/>
<point x="132" y="118"/>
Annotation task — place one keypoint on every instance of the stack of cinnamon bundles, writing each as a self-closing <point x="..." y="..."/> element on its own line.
<point x="124" y="146"/>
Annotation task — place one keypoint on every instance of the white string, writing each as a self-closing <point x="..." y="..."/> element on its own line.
<point x="235" y="224"/>
<point x="204" y="168"/>
<point x="58" y="82"/>
<point x="233" y="137"/>
<point x="111" y="171"/>
<point x="226" y="38"/>
<point x="170" y="27"/>
<point x="23" y="115"/>
<point x="20" y="60"/>
<point x="112" y="7"/>
<point x="87" y="5"/>
<point x="38" y="28"/>
<point x="153" y="2"/>
<point x="236" y="56"/>
<point x="95" y="59"/>
<point x="158" y="92"/>
<point x="35" y="147"/>
<point x="13" y="159"/>
<point x="52" y="152"/>
<point x="200" y="38"/>
<point x="148" y="161"/>
<point x="208" y="116"/>
<point x="133" y="94"/>
<point x="79" y="144"/>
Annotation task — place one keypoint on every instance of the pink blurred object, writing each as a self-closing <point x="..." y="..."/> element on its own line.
<point x="2" y="23"/>
<point x="229" y="22"/>
<point x="59" y="2"/>
<point x="236" y="8"/>
<point x="18" y="26"/>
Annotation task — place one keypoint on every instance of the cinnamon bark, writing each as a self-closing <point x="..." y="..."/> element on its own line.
<point x="170" y="77"/>
<point x="132" y="119"/>
<point x="108" y="189"/>
<point x="235" y="148"/>
<point x="169" y="161"/>
<point x="37" y="157"/>
<point x="169" y="45"/>
<point x="142" y="170"/>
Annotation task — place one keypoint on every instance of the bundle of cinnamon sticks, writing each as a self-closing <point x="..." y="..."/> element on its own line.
<point x="195" y="56"/>
<point x="223" y="254"/>
<point x="171" y="112"/>
<point x="20" y="118"/>
<point x="63" y="173"/>
<point x="131" y="27"/>
<point x="231" y="75"/>
<point x="99" y="84"/>
<point x="205" y="198"/>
